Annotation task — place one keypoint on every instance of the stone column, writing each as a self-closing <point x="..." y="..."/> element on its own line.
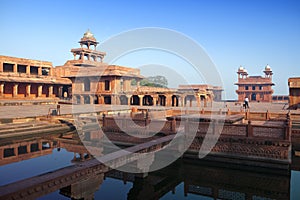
<point x="40" y="71"/>
<point x="81" y="99"/>
<point x="60" y="91"/>
<point x="155" y="99"/>
<point x="50" y="72"/>
<point x="15" y="68"/>
<point x="74" y="99"/>
<point x="28" y="87"/>
<point x="198" y="100"/>
<point x="1" y="89"/>
<point x="40" y="90"/>
<point x="183" y="100"/>
<point x="128" y="99"/>
<point x="1" y="154"/>
<point x="1" y="67"/>
<point x="28" y="148"/>
<point x="141" y="99"/>
<point x="16" y="151"/>
<point x="50" y="91"/>
<point x="28" y="69"/>
<point x="15" y="90"/>
<point x="91" y="99"/>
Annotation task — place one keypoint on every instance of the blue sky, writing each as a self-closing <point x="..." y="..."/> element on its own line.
<point x="233" y="33"/>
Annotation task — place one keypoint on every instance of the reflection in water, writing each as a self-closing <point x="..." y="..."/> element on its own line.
<point x="184" y="179"/>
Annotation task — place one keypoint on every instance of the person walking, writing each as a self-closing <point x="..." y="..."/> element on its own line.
<point x="246" y="102"/>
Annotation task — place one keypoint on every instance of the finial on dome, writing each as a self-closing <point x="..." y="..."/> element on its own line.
<point x="88" y="34"/>
<point x="268" y="67"/>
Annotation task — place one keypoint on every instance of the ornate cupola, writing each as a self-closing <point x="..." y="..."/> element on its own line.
<point x="85" y="54"/>
<point x="242" y="72"/>
<point x="268" y="71"/>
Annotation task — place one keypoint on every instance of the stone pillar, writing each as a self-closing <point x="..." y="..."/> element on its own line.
<point x="74" y="99"/>
<point x="28" y="87"/>
<point x="28" y="69"/>
<point x="60" y="91"/>
<point x="28" y="148"/>
<point x="198" y="100"/>
<point x="40" y="145"/>
<point x="40" y="71"/>
<point x="1" y="89"/>
<point x="141" y="99"/>
<point x="40" y="90"/>
<point x="168" y="100"/>
<point x="15" y="68"/>
<point x="50" y="91"/>
<point x="91" y="99"/>
<point x="1" y="67"/>
<point x="155" y="99"/>
<point x="128" y="100"/>
<point x="16" y="151"/>
<point x="15" y="90"/>
<point x="81" y="99"/>
<point x="50" y="71"/>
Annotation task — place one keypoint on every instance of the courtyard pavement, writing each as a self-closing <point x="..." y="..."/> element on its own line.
<point x="23" y="111"/>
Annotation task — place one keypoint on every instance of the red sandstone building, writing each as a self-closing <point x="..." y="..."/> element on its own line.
<point x="96" y="82"/>
<point x="294" y="92"/>
<point x="92" y="81"/>
<point x="30" y="79"/>
<point x="256" y="88"/>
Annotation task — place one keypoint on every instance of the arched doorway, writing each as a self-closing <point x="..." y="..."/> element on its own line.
<point x="123" y="100"/>
<point x="135" y="100"/>
<point x="189" y="100"/>
<point x="107" y="99"/>
<point x="161" y="100"/>
<point x="87" y="99"/>
<point x="174" y="100"/>
<point x="147" y="100"/>
<point x="96" y="100"/>
<point x="253" y="97"/>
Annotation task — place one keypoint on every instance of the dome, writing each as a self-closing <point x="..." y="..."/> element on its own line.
<point x="268" y="68"/>
<point x="245" y="70"/>
<point x="88" y="34"/>
<point x="241" y="68"/>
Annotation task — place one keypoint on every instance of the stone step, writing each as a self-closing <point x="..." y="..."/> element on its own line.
<point x="20" y="125"/>
<point x="29" y="128"/>
<point x="49" y="129"/>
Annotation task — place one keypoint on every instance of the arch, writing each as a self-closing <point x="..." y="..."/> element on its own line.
<point x="253" y="97"/>
<point x="77" y="99"/>
<point x="22" y="90"/>
<point x="123" y="100"/>
<point x="107" y="99"/>
<point x="174" y="100"/>
<point x="162" y="100"/>
<point x="87" y="84"/>
<point x="147" y="100"/>
<point x="96" y="99"/>
<point x="135" y="100"/>
<point x="8" y="89"/>
<point x="87" y="99"/>
<point x="189" y="98"/>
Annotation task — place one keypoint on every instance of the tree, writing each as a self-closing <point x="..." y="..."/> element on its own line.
<point x="152" y="81"/>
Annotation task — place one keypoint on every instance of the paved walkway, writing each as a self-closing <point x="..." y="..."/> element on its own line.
<point x="42" y="110"/>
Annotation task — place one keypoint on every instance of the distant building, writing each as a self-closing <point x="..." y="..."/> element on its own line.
<point x="294" y="92"/>
<point x="280" y="98"/>
<point x="22" y="78"/>
<point x="256" y="88"/>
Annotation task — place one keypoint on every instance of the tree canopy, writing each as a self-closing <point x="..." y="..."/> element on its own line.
<point x="153" y="81"/>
